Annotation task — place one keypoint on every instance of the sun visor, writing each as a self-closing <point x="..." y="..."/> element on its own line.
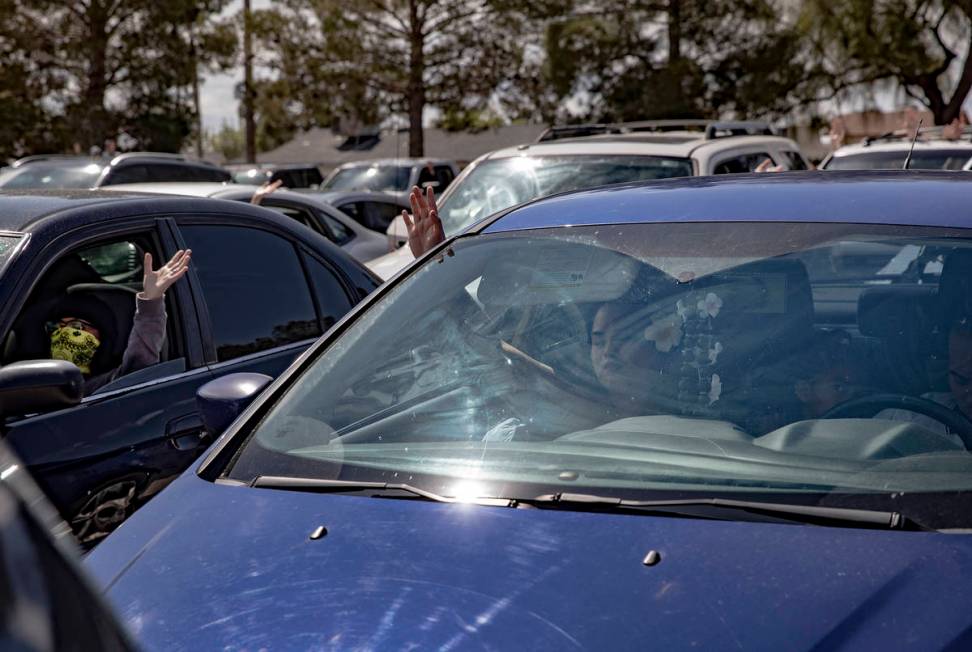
<point x="558" y="272"/>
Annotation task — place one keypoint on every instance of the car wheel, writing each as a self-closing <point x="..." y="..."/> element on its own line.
<point x="104" y="511"/>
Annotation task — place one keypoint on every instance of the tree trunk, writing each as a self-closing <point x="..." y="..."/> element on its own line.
<point x="96" y="84"/>
<point x="674" y="31"/>
<point x="416" y="83"/>
<point x="248" y="121"/>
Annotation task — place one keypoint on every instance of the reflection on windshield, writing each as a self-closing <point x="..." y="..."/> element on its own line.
<point x="932" y="160"/>
<point x="684" y="356"/>
<point x="498" y="184"/>
<point x="38" y="175"/>
<point x="378" y="178"/>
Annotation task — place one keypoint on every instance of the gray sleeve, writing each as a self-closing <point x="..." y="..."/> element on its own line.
<point x="144" y="343"/>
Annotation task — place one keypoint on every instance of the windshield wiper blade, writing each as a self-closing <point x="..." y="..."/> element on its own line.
<point x="800" y="513"/>
<point x="378" y="489"/>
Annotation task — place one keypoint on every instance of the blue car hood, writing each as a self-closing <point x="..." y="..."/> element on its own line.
<point x="207" y="567"/>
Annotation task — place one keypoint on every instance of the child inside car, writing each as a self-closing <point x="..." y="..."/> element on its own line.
<point x="79" y="326"/>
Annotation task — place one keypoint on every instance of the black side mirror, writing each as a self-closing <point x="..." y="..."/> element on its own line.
<point x="39" y="386"/>
<point x="221" y="400"/>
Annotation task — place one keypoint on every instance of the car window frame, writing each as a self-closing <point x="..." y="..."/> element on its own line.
<point x="180" y="298"/>
<point x="756" y="150"/>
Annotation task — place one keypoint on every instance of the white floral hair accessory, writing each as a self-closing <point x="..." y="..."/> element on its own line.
<point x="710" y="305"/>
<point x="666" y="333"/>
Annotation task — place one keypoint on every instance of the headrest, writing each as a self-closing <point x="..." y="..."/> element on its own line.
<point x="896" y="311"/>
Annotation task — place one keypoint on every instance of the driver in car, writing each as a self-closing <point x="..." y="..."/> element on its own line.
<point x="79" y="328"/>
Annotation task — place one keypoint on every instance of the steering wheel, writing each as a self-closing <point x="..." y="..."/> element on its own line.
<point x="868" y="406"/>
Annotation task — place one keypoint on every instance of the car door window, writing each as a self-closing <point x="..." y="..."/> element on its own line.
<point x="332" y="299"/>
<point x="378" y="214"/>
<point x="100" y="280"/>
<point x="794" y="160"/>
<point x="444" y="175"/>
<point x="340" y="234"/>
<point x="426" y="176"/>
<point x="127" y="174"/>
<point x="741" y="164"/>
<point x="254" y="286"/>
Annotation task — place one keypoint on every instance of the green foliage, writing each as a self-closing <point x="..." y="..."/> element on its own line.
<point x="228" y="141"/>
<point x="922" y="46"/>
<point x="91" y="68"/>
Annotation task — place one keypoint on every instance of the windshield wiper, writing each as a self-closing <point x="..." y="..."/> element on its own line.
<point x="712" y="507"/>
<point x="377" y="489"/>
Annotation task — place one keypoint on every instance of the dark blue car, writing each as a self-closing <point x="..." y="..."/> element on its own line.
<point x="260" y="289"/>
<point x="692" y="414"/>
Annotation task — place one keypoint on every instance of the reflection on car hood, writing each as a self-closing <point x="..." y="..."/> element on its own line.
<point x="219" y="567"/>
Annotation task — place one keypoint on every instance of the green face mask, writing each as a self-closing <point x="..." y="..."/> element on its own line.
<point x="74" y="345"/>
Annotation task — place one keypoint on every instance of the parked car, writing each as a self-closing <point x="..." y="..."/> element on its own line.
<point x="291" y="176"/>
<point x="373" y="210"/>
<point x="585" y="156"/>
<point x="48" y="602"/>
<point x="60" y="172"/>
<point x="335" y="225"/>
<point x="888" y="152"/>
<point x="261" y="287"/>
<point x="582" y="424"/>
<point x="391" y="175"/>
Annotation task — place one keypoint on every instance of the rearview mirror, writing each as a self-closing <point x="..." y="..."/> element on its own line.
<point x="39" y="386"/>
<point x="220" y="401"/>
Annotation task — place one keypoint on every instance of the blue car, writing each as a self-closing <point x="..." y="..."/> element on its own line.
<point x="704" y="413"/>
<point x="261" y="288"/>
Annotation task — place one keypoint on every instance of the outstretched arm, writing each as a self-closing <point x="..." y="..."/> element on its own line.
<point x="266" y="189"/>
<point x="423" y="226"/>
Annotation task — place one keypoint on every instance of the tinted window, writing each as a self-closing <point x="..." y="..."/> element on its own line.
<point x="742" y="164"/>
<point x="254" y="286"/>
<point x="340" y="234"/>
<point x="331" y="298"/>
<point x="444" y="176"/>
<point x="369" y="177"/>
<point x="128" y="174"/>
<point x="378" y="214"/>
<point x="41" y="175"/>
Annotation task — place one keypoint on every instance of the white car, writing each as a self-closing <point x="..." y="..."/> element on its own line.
<point x="585" y="156"/>
<point x="360" y="242"/>
<point x="890" y="151"/>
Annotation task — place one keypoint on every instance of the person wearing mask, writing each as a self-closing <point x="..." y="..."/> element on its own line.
<point x="80" y="327"/>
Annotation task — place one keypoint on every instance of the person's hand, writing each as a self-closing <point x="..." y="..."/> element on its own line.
<point x="154" y="284"/>
<point x="768" y="166"/>
<point x="264" y="190"/>
<point x="423" y="226"/>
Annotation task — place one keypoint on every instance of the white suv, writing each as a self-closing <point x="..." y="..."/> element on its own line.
<point x="888" y="152"/>
<point x="585" y="156"/>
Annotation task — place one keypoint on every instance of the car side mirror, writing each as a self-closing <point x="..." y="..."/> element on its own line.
<point x="39" y="386"/>
<point x="221" y="400"/>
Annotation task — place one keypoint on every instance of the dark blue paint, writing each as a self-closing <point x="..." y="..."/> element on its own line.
<point x="221" y="400"/>
<point x="208" y="566"/>
<point x="865" y="197"/>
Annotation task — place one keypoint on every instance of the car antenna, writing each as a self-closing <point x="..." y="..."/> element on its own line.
<point x="913" y="141"/>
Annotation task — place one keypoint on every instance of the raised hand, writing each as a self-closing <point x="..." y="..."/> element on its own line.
<point x="264" y="190"/>
<point x="423" y="226"/>
<point x="155" y="283"/>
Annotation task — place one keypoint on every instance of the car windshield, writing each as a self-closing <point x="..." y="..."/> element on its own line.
<point x="379" y="178"/>
<point x="44" y="175"/>
<point x="773" y="358"/>
<point x="937" y="159"/>
<point x="500" y="183"/>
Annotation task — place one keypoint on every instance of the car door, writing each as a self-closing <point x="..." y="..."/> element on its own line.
<point x="101" y="459"/>
<point x="264" y="296"/>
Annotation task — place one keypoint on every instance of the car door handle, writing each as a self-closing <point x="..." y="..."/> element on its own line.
<point x="185" y="432"/>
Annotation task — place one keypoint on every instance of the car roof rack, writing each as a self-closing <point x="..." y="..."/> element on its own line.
<point x="711" y="129"/>
<point x="935" y="132"/>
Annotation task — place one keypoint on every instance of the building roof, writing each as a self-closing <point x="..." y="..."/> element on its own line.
<point x="322" y="146"/>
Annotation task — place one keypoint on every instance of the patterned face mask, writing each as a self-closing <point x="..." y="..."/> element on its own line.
<point x="74" y="345"/>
